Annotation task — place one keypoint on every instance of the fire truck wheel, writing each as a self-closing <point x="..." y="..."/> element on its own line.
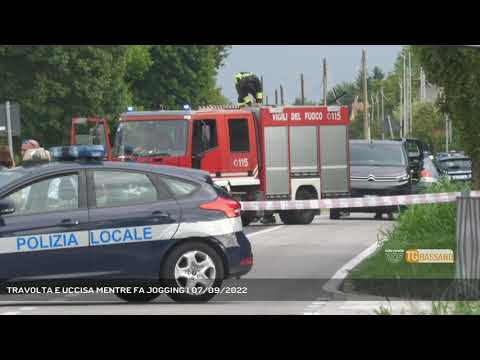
<point x="299" y="217"/>
<point x="246" y="220"/>
<point x="286" y="217"/>
<point x="334" y="214"/>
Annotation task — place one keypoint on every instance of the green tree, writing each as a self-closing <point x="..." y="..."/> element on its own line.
<point x="377" y="73"/>
<point x="298" y="101"/>
<point x="347" y="88"/>
<point x="430" y="125"/>
<point x="457" y="72"/>
<point x="180" y="75"/>
<point x="54" y="83"/>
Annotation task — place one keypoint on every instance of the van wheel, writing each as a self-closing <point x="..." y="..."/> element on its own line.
<point x="191" y="272"/>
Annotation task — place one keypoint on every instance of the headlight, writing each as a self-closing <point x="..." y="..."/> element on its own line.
<point x="403" y="177"/>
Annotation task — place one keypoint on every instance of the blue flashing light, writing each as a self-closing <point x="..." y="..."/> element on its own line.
<point x="130" y="108"/>
<point x="93" y="152"/>
<point x="186" y="107"/>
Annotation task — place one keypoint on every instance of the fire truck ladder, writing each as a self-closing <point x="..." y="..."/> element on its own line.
<point x="219" y="107"/>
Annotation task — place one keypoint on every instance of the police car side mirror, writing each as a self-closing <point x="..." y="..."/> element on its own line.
<point x="6" y="207"/>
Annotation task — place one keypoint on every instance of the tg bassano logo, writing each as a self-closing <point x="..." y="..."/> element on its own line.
<point x="429" y="256"/>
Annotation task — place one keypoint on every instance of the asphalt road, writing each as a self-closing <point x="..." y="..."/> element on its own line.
<point x="286" y="258"/>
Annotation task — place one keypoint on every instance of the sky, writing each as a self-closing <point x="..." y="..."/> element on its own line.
<point x="282" y="65"/>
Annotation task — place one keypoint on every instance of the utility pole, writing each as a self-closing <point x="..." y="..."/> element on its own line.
<point x="325" y="83"/>
<point x="401" y="110"/>
<point x="281" y="95"/>
<point x="261" y="82"/>
<point x="366" y="125"/>
<point x="276" y="97"/>
<point x="410" y="115"/>
<point x="372" y="116"/>
<point x="378" y="112"/>
<point x="9" y="132"/>
<point x="450" y="131"/>
<point x="383" y="114"/>
<point x="404" y="85"/>
<point x="302" y="90"/>
<point x="446" y="133"/>
<point x="423" y="88"/>
<point x="390" y="127"/>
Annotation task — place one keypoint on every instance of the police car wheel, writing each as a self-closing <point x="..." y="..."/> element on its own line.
<point x="192" y="272"/>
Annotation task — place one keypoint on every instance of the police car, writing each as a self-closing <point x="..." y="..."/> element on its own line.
<point x="82" y="218"/>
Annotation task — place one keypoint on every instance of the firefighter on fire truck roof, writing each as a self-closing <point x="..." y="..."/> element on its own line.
<point x="248" y="83"/>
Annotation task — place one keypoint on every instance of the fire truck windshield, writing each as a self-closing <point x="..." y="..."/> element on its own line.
<point x="151" y="138"/>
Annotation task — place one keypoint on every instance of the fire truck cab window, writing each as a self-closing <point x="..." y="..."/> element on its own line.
<point x="204" y="136"/>
<point x="239" y="139"/>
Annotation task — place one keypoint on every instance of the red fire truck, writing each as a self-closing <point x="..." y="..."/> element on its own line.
<point x="91" y="131"/>
<point x="259" y="153"/>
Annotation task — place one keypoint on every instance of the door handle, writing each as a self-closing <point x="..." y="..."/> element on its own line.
<point x="69" y="222"/>
<point x="160" y="214"/>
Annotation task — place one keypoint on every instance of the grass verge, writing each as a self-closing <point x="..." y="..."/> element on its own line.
<point x="429" y="226"/>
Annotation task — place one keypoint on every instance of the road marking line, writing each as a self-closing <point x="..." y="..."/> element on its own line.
<point x="11" y="313"/>
<point x="333" y="284"/>
<point x="264" y="231"/>
<point x="342" y="273"/>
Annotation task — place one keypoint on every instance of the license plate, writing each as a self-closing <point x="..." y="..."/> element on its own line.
<point x="461" y="177"/>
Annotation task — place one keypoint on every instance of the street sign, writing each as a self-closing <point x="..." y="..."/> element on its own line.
<point x="14" y="119"/>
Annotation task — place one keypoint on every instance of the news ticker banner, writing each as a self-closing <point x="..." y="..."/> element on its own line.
<point x="245" y="290"/>
<point x="354" y="202"/>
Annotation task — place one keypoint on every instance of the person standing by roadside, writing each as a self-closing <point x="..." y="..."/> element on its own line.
<point x="32" y="151"/>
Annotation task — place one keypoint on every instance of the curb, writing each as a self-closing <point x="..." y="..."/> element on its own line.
<point x="335" y="283"/>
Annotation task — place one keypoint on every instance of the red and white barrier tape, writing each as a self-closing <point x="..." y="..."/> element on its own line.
<point x="354" y="202"/>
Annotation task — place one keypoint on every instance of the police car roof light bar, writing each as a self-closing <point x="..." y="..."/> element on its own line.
<point x="71" y="153"/>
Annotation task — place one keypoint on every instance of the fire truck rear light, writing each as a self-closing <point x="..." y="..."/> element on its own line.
<point x="230" y="208"/>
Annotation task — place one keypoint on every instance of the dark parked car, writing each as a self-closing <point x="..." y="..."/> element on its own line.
<point x="378" y="168"/>
<point x="416" y="150"/>
<point x="456" y="168"/>
<point x="429" y="175"/>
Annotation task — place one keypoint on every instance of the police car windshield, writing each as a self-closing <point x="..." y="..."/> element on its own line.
<point x="152" y="138"/>
<point x="365" y="154"/>
<point x="9" y="175"/>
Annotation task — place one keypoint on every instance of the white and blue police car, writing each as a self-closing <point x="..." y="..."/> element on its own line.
<point x="82" y="218"/>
